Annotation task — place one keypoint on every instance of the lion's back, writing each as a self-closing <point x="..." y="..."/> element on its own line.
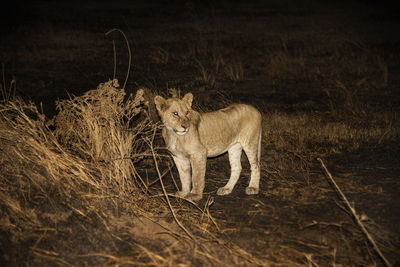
<point x="222" y="128"/>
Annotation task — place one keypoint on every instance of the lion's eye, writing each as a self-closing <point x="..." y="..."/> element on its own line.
<point x="175" y="113"/>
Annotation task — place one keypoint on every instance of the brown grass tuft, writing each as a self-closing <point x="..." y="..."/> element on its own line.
<point x="98" y="126"/>
<point x="79" y="164"/>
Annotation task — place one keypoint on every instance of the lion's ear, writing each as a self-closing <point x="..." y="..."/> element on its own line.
<point x="161" y="103"/>
<point x="188" y="98"/>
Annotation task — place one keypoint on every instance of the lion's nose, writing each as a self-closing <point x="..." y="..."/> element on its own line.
<point x="185" y="125"/>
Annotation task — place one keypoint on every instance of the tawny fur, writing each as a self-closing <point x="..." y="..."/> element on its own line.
<point x="191" y="137"/>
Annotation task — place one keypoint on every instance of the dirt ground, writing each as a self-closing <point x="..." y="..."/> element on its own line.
<point x="305" y="65"/>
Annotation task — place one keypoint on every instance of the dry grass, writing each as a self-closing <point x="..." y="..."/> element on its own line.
<point x="83" y="189"/>
<point x="7" y="91"/>
<point x="81" y="168"/>
<point x="357" y="217"/>
<point x="74" y="178"/>
<point x="102" y="127"/>
<point x="80" y="174"/>
<point x="305" y="133"/>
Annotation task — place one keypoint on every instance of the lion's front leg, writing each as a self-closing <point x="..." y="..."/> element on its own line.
<point x="198" y="162"/>
<point x="183" y="166"/>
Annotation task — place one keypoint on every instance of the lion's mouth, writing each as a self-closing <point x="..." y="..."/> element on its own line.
<point x="181" y="132"/>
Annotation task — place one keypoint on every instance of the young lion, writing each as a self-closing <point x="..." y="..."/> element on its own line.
<point x="191" y="137"/>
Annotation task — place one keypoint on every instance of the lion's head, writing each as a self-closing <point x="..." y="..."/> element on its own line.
<point x="175" y="112"/>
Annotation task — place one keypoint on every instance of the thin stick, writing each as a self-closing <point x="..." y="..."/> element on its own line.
<point x="3" y="88"/>
<point x="166" y="194"/>
<point x="353" y="211"/>
<point x="115" y="60"/>
<point x="129" y="54"/>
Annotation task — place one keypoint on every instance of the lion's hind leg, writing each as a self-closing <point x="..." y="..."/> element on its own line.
<point x="234" y="153"/>
<point x="253" y="155"/>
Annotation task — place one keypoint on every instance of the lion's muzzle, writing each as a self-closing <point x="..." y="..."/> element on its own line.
<point x="185" y="129"/>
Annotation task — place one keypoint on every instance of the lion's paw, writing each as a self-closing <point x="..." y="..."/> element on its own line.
<point x="194" y="197"/>
<point x="251" y="190"/>
<point x="222" y="191"/>
<point x="181" y="194"/>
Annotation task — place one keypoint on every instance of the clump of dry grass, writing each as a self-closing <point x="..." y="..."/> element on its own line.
<point x="81" y="166"/>
<point x="234" y="71"/>
<point x="98" y="127"/>
<point x="206" y="76"/>
<point x="32" y="150"/>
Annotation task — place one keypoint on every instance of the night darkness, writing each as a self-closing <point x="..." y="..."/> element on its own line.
<point x="324" y="74"/>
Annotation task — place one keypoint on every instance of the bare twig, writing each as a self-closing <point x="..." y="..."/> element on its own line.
<point x="150" y="143"/>
<point x="50" y="255"/>
<point x="115" y="60"/>
<point x="353" y="211"/>
<point x="129" y="54"/>
<point x="206" y="210"/>
<point x="7" y="94"/>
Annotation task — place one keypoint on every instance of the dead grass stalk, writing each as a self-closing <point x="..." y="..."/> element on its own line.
<point x="7" y="93"/>
<point x="356" y="217"/>
<point x="129" y="55"/>
<point x="150" y="143"/>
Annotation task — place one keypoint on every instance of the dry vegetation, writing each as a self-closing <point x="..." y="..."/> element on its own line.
<point x="73" y="178"/>
<point x="76" y="177"/>
<point x="89" y="186"/>
<point x="51" y="177"/>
